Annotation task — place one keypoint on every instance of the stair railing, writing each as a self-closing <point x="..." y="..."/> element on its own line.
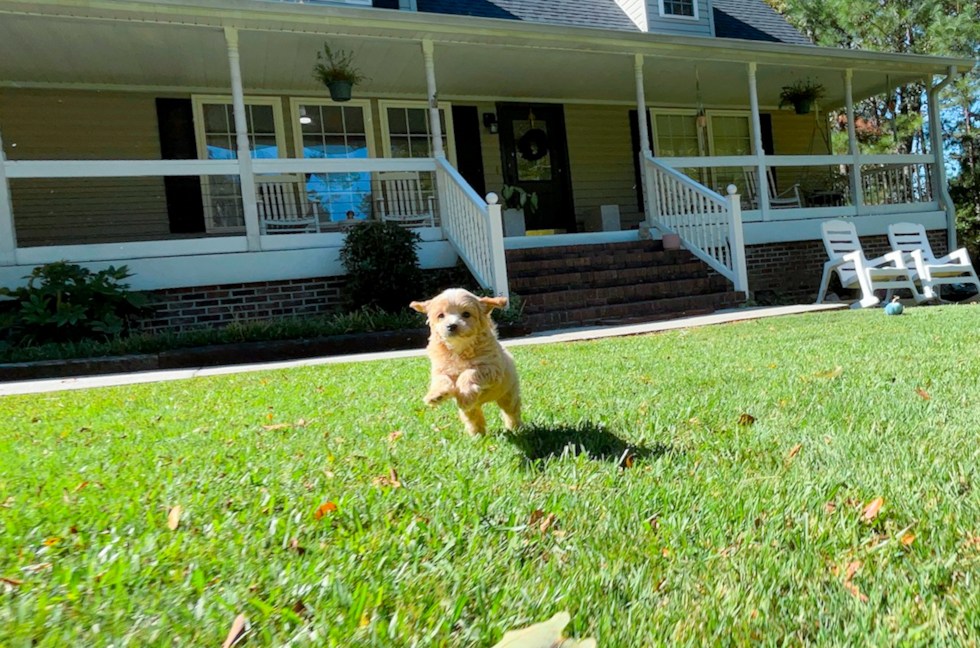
<point x="708" y="224"/>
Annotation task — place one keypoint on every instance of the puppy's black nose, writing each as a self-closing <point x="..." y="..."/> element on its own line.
<point x="452" y="327"/>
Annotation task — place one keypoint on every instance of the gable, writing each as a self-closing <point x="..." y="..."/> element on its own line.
<point x="753" y="20"/>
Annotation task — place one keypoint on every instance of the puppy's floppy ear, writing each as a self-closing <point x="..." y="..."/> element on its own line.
<point x="421" y="307"/>
<point x="489" y="303"/>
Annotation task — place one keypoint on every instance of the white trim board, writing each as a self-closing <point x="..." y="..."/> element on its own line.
<point x="580" y="238"/>
<point x="244" y="267"/>
<point x="787" y="231"/>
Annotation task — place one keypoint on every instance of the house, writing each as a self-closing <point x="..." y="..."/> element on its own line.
<point x="189" y="141"/>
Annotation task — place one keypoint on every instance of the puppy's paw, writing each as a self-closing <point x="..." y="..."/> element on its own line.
<point x="434" y="398"/>
<point x="468" y="395"/>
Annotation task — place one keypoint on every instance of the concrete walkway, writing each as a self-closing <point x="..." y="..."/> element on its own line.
<point x="547" y="337"/>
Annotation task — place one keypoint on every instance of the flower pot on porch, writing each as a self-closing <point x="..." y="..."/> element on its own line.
<point x="803" y="106"/>
<point x="340" y="90"/>
<point x="671" y="242"/>
<point x="514" y="222"/>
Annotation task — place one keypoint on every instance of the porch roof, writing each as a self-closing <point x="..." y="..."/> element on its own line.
<point x="178" y="44"/>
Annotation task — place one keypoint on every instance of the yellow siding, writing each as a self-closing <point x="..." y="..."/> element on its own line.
<point x="59" y="125"/>
<point x="600" y="154"/>
<point x="794" y="134"/>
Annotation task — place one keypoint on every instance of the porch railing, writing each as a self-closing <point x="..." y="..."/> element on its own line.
<point x="474" y="227"/>
<point x="708" y="224"/>
<point x="896" y="184"/>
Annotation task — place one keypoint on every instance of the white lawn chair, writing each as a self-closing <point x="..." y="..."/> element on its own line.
<point x="402" y="200"/>
<point x="855" y="270"/>
<point x="788" y="199"/>
<point x="954" y="268"/>
<point x="280" y="210"/>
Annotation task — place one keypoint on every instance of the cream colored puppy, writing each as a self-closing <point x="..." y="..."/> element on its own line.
<point x="468" y="363"/>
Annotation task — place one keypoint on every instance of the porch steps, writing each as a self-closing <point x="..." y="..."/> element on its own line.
<point x="614" y="283"/>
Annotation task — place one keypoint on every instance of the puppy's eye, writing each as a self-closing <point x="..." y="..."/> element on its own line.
<point x="466" y="314"/>
<point x="441" y="315"/>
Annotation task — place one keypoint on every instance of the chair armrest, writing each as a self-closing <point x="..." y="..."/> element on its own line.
<point x="847" y="258"/>
<point x="895" y="258"/>
<point x="960" y="256"/>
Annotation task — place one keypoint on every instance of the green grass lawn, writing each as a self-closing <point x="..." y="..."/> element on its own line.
<point x="707" y="532"/>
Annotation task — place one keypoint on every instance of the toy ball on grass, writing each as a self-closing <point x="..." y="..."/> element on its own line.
<point x="894" y="308"/>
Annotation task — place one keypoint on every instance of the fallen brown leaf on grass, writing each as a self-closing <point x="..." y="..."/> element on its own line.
<point x="394" y="436"/>
<point x="870" y="511"/>
<point x="746" y="419"/>
<point x="547" y="522"/>
<point x="830" y="507"/>
<point x="237" y="628"/>
<point x="391" y="479"/>
<point x="81" y="486"/>
<point x="173" y="518"/>
<point x="855" y="591"/>
<point x="299" y="608"/>
<point x="33" y="569"/>
<point x="277" y="426"/>
<point x="908" y="539"/>
<point x="11" y="581"/>
<point x="654" y="522"/>
<point x="50" y="542"/>
<point x="7" y="503"/>
<point x="536" y="515"/>
<point x="923" y="393"/>
<point x="852" y="569"/>
<point x="829" y="375"/>
<point x="329" y="507"/>
<point x="294" y="545"/>
<point x="795" y="450"/>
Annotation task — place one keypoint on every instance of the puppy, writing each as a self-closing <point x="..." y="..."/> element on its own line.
<point x="468" y="363"/>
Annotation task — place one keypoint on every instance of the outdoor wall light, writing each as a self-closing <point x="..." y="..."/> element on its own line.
<point x="490" y="122"/>
<point x="303" y="117"/>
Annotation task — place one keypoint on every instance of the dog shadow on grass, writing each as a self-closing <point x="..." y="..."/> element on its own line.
<point x="541" y="443"/>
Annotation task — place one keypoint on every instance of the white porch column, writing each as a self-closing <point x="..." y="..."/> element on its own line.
<point x="650" y="207"/>
<point x="250" y="206"/>
<point x="760" y="154"/>
<point x="8" y="235"/>
<point x="857" y="196"/>
<point x="938" y="176"/>
<point x="435" y="124"/>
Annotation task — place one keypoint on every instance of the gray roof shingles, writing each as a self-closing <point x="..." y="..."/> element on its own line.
<point x="743" y="19"/>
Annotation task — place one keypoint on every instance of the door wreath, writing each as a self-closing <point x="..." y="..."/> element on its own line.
<point x="533" y="145"/>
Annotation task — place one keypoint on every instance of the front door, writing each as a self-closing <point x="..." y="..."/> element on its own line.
<point x="534" y="153"/>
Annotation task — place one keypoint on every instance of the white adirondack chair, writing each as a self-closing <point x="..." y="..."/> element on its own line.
<point x="280" y="209"/>
<point x="402" y="200"/>
<point x="911" y="240"/>
<point x="788" y="199"/>
<point x="855" y="270"/>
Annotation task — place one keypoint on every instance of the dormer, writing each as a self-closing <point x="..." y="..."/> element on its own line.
<point x="686" y="17"/>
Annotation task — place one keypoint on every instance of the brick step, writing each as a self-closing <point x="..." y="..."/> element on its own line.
<point x="601" y="278"/>
<point x="591" y="297"/>
<point x="538" y="253"/>
<point x="598" y="261"/>
<point x="635" y="312"/>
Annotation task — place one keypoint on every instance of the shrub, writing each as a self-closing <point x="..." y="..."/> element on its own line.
<point x="382" y="264"/>
<point x="69" y="303"/>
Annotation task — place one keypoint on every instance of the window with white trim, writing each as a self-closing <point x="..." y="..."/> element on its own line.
<point x="679" y="8"/>
<point x="406" y="129"/>
<point x="331" y="131"/>
<point x="214" y="123"/>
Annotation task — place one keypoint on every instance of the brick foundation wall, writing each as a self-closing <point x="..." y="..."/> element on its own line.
<point x="793" y="270"/>
<point x="179" y="309"/>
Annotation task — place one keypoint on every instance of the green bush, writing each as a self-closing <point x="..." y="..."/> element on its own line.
<point x="69" y="303"/>
<point x="382" y="264"/>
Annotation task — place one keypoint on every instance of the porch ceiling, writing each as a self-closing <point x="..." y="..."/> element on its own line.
<point x="48" y="50"/>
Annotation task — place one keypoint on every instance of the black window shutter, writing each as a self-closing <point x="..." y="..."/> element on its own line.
<point x="385" y="4"/>
<point x="765" y="121"/>
<point x="635" y="138"/>
<point x="185" y="206"/>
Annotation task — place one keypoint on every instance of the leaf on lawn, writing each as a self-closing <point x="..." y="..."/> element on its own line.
<point x="830" y="507"/>
<point x="173" y="518"/>
<point x="870" y="511"/>
<point x="830" y="375"/>
<point x="543" y="635"/>
<point x="394" y="436"/>
<point x="852" y="569"/>
<point x="294" y="545"/>
<point x="33" y="569"/>
<point x="329" y="507"/>
<point x="50" y="542"/>
<point x="547" y="522"/>
<point x="11" y="581"/>
<point x="654" y="522"/>
<point x="236" y="631"/>
<point x="795" y="450"/>
<point x="81" y="486"/>
<point x="302" y="423"/>
<point x="7" y="503"/>
<point x="746" y="419"/>
<point x="908" y="539"/>
<point x="277" y="426"/>
<point x="923" y="393"/>
<point x="855" y="592"/>
<point x="391" y="479"/>
<point x="299" y="608"/>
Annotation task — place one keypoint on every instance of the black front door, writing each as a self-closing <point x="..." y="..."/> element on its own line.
<point x="534" y="153"/>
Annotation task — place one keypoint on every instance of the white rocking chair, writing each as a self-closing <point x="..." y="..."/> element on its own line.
<point x="930" y="272"/>
<point x="789" y="199"/>
<point x="402" y="200"/>
<point x="280" y="212"/>
<point x="856" y="271"/>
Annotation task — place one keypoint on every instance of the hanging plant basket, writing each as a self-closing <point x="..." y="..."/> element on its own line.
<point x="340" y="90"/>
<point x="801" y="96"/>
<point x="802" y="107"/>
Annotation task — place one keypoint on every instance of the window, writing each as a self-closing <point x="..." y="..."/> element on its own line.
<point x="679" y="9"/>
<point x="214" y="123"/>
<point x="330" y="131"/>
<point x="406" y="129"/>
